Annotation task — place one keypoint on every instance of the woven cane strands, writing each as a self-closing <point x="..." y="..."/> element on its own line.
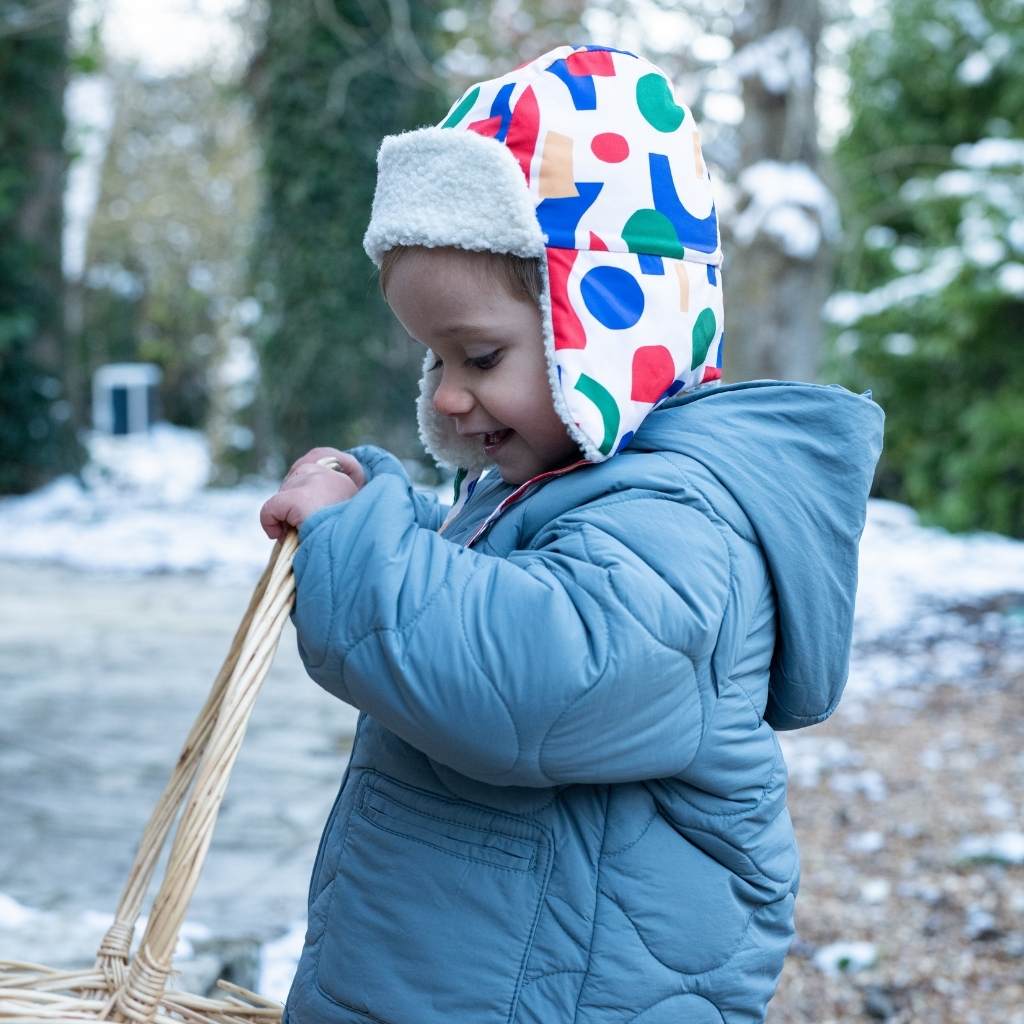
<point x="131" y="988"/>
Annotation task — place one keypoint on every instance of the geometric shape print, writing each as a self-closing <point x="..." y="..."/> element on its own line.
<point x="640" y="364"/>
<point x="625" y="185"/>
<point x="623" y="198"/>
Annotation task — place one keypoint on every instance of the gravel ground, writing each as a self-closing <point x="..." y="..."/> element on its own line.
<point x="899" y="786"/>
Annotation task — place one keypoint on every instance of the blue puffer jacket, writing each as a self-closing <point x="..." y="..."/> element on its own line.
<point x="566" y="801"/>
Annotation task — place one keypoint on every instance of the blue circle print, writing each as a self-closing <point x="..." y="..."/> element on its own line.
<point x="613" y="297"/>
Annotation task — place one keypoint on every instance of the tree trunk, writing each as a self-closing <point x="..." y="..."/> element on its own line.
<point x="779" y="239"/>
<point x="35" y="436"/>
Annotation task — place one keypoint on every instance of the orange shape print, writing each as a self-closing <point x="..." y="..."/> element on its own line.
<point x="684" y="286"/>
<point x="556" y="180"/>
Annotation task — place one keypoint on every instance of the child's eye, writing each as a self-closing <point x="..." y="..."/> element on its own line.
<point x="485" y="362"/>
<point x="480" y="362"/>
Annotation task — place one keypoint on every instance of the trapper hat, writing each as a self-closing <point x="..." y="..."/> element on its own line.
<point x="585" y="159"/>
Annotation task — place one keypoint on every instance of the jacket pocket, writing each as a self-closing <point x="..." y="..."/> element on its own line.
<point x="315" y="889"/>
<point x="433" y="908"/>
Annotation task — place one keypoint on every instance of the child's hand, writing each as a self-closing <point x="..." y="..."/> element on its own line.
<point x="308" y="487"/>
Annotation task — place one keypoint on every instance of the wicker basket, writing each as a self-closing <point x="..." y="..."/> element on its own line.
<point x="122" y="986"/>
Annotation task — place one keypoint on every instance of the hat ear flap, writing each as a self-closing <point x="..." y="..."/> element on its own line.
<point x="437" y="432"/>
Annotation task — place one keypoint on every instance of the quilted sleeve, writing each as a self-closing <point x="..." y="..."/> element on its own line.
<point x="571" y="661"/>
<point x="429" y="510"/>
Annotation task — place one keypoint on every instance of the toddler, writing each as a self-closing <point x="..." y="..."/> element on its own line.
<point x="565" y="802"/>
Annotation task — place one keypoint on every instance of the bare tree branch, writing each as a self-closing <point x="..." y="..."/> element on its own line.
<point x="345" y="32"/>
<point x="374" y="12"/>
<point x="343" y="76"/>
<point x="407" y="58"/>
<point x="407" y="45"/>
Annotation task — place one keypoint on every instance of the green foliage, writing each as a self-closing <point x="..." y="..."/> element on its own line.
<point x="35" y="437"/>
<point x="932" y="186"/>
<point x="331" y="81"/>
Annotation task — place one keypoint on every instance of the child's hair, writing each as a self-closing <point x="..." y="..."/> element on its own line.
<point x="522" y="274"/>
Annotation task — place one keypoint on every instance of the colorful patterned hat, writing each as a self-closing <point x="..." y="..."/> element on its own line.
<point x="584" y="158"/>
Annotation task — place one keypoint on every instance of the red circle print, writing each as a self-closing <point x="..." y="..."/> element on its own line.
<point x="610" y="147"/>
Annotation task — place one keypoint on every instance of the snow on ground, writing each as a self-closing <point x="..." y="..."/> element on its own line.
<point x="278" y="960"/>
<point x="65" y="940"/>
<point x="933" y="606"/>
<point x="144" y="507"/>
<point x="906" y="569"/>
<point x="54" y="938"/>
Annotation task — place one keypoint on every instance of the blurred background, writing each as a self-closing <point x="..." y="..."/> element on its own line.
<point x="185" y="307"/>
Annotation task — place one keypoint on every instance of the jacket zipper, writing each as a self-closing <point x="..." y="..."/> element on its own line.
<point x="314" y="877"/>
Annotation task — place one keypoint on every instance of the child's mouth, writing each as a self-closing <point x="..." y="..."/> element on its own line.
<point x="494" y="440"/>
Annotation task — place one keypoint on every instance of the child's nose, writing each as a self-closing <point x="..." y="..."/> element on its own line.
<point x="452" y="400"/>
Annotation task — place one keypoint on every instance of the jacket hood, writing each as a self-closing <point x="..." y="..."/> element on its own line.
<point x="585" y="159"/>
<point x="798" y="460"/>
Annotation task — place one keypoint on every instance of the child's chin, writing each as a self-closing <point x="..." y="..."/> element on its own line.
<point x="514" y="477"/>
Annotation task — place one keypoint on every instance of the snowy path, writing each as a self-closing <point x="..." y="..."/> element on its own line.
<point x="100" y="680"/>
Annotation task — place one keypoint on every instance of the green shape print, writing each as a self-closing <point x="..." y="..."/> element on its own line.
<point x="606" y="406"/>
<point x="463" y="108"/>
<point x="704" y="328"/>
<point x="649" y="231"/>
<point x="654" y="98"/>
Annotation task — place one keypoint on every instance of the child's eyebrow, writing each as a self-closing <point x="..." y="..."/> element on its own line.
<point x="459" y="330"/>
<point x="463" y="333"/>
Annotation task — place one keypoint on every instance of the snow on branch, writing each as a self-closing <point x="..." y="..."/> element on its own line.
<point x="990" y="153"/>
<point x="846" y="308"/>
<point x="782" y="60"/>
<point x="787" y="203"/>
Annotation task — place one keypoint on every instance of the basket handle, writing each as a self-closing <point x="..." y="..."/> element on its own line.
<point x="144" y="982"/>
<point x="206" y="761"/>
<point x="115" y="946"/>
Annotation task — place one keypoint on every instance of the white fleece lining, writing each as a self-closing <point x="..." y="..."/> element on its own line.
<point x="437" y="433"/>
<point x="450" y="187"/>
<point x="441" y="187"/>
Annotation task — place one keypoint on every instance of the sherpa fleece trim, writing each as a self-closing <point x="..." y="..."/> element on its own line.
<point x="435" y="188"/>
<point x="438" y="187"/>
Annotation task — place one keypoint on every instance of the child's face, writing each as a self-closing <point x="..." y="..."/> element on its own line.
<point x="491" y="347"/>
